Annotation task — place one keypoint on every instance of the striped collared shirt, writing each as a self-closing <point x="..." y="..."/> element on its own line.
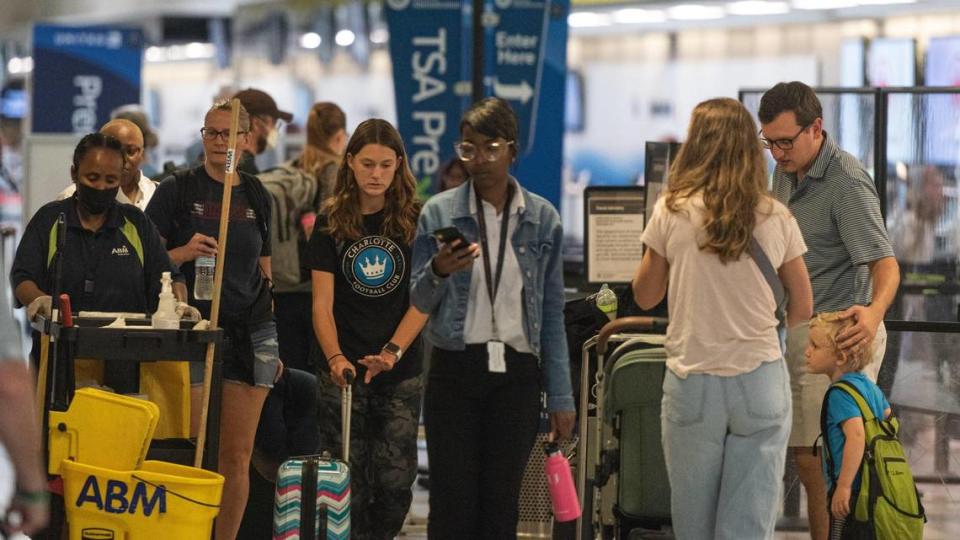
<point x="837" y="208"/>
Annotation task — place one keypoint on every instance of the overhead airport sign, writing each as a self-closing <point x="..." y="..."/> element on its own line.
<point x="426" y="49"/>
<point x="526" y="64"/>
<point x="81" y="74"/>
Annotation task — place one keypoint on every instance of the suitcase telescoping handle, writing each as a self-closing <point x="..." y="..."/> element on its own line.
<point x="648" y="324"/>
<point x="346" y="405"/>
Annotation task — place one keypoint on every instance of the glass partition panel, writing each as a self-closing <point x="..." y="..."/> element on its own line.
<point x="849" y="115"/>
<point x="921" y="200"/>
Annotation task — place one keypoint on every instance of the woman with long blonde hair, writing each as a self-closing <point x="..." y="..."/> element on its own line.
<point x="726" y="395"/>
<point x="363" y="320"/>
<point x="326" y="137"/>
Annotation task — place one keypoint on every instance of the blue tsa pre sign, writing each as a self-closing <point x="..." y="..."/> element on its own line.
<point x="374" y="266"/>
<point x="80" y="74"/>
<point x="426" y="48"/>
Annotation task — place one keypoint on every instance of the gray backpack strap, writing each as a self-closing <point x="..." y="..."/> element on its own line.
<point x="769" y="273"/>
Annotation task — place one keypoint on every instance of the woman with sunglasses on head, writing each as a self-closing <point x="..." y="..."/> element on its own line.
<point x="497" y="328"/>
<point x="186" y="210"/>
<point x="363" y="320"/>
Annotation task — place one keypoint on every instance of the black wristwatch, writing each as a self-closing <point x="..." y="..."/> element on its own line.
<point x="393" y="349"/>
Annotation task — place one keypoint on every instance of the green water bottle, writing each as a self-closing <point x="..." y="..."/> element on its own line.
<point x="606" y="301"/>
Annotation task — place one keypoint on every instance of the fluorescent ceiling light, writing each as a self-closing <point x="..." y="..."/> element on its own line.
<point x="588" y="19"/>
<point x="695" y="12"/>
<point x="824" y="4"/>
<point x="379" y="35"/>
<point x="197" y="50"/>
<point x="884" y="2"/>
<point x="18" y="65"/>
<point x="345" y="38"/>
<point x="757" y="7"/>
<point x="310" y="40"/>
<point x="638" y="16"/>
<point x="176" y="53"/>
<point x="155" y="54"/>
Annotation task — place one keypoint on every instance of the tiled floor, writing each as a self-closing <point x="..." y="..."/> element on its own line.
<point x="941" y="500"/>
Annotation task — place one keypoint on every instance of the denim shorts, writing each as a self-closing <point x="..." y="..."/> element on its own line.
<point x="261" y="369"/>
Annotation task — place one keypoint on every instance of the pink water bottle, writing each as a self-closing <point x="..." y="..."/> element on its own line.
<point x="566" y="507"/>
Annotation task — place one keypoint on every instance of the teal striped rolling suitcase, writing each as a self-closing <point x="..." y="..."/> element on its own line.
<point x="315" y="490"/>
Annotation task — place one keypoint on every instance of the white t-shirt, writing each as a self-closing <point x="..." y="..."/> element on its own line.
<point x="509" y="311"/>
<point x="722" y="318"/>
<point x="146" y="187"/>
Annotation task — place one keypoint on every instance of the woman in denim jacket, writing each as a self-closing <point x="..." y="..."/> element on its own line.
<point x="482" y="401"/>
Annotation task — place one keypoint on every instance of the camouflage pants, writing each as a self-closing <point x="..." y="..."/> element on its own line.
<point x="383" y="451"/>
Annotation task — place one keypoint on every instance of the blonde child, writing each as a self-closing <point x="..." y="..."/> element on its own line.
<point x="844" y="423"/>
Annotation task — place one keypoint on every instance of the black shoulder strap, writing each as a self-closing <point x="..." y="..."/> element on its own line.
<point x="186" y="193"/>
<point x="823" y="433"/>
<point x="259" y="200"/>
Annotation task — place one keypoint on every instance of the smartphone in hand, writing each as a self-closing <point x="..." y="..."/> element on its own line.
<point x="449" y="235"/>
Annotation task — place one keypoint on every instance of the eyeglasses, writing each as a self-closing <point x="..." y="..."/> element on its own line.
<point x="490" y="151"/>
<point x="132" y="150"/>
<point x="783" y="144"/>
<point x="210" y="134"/>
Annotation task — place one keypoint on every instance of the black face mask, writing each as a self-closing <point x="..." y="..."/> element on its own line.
<point x="96" y="201"/>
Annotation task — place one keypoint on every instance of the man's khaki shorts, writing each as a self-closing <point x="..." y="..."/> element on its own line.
<point x="808" y="389"/>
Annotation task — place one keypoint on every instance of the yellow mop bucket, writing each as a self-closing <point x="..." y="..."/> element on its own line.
<point x="102" y="429"/>
<point x="161" y="500"/>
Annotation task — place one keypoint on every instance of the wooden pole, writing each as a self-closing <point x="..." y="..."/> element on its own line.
<point x="42" y="376"/>
<point x="231" y="168"/>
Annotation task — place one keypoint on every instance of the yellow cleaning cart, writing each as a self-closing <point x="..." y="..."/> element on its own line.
<point x="102" y="429"/>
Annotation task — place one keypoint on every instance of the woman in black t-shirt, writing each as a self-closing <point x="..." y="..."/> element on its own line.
<point x="186" y="209"/>
<point x="363" y="320"/>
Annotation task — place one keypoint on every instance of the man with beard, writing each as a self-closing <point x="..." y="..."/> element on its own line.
<point x="265" y="120"/>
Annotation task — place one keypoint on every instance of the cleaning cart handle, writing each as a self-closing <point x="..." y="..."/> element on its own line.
<point x="66" y="313"/>
<point x="652" y="324"/>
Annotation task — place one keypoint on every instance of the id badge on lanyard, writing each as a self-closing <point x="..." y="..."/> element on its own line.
<point x="496" y="350"/>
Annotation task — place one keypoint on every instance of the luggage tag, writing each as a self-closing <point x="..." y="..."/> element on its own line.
<point x="496" y="361"/>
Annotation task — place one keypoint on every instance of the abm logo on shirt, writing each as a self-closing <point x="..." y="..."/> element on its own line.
<point x="373" y="266"/>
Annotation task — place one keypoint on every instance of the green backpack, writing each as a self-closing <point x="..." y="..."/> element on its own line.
<point x="887" y="506"/>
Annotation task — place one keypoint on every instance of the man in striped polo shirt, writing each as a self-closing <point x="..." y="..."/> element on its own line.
<point x="850" y="260"/>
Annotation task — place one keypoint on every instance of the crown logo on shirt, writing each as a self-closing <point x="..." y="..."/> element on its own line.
<point x="374" y="270"/>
